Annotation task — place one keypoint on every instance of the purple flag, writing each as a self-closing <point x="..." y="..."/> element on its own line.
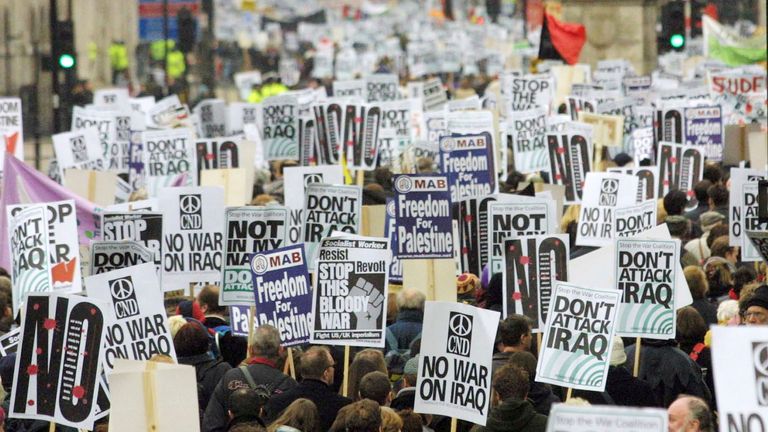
<point x="24" y="185"/>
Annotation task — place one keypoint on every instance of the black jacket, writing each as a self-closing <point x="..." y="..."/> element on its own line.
<point x="208" y="372"/>
<point x="328" y="402"/>
<point x="405" y="399"/>
<point x="542" y="398"/>
<point x="514" y="416"/>
<point x="274" y="381"/>
<point x="621" y="389"/>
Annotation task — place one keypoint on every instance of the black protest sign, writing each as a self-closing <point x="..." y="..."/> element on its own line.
<point x="361" y="136"/>
<point x="670" y="124"/>
<point x="329" y="124"/>
<point x="532" y="264"/>
<point x="143" y="227"/>
<point x="59" y="360"/>
<point x="471" y="216"/>
<point x="307" y="141"/>
<point x="680" y="167"/>
<point x="570" y="159"/>
<point x="220" y="153"/>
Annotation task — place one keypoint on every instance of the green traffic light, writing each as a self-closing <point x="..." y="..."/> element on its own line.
<point x="66" y="61"/>
<point x="677" y="40"/>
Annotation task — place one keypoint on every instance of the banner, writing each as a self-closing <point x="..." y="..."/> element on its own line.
<point x="56" y="382"/>
<point x="680" y="167"/>
<point x="527" y="130"/>
<point x="423" y="217"/>
<point x="145" y="227"/>
<point x="570" y="159"/>
<point x="468" y="162"/>
<point x="280" y="127"/>
<point x="168" y="156"/>
<point x="281" y="286"/>
<point x="532" y="265"/>
<point x="361" y="136"/>
<point x="390" y="232"/>
<point x="704" y="127"/>
<point x="349" y="303"/>
<point x="193" y="237"/>
<point x="517" y="216"/>
<point x="136" y="322"/>
<point x="296" y="179"/>
<point x="248" y="230"/>
<point x="78" y="149"/>
<point x="327" y="209"/>
<point x="454" y="375"/>
<point x="633" y="220"/>
<point x="577" y="343"/>
<point x="647" y="179"/>
<point x="602" y="418"/>
<point x="604" y="193"/>
<point x="739" y="356"/>
<point x="11" y="129"/>
<point x="646" y="272"/>
<point x="28" y="247"/>
<point x="107" y="256"/>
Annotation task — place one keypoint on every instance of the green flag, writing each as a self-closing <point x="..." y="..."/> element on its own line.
<point x="724" y="44"/>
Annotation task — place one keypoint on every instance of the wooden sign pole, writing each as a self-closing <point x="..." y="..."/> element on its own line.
<point x="52" y="427"/>
<point x="345" y="381"/>
<point x="251" y="315"/>
<point x="149" y="396"/>
<point x="569" y="393"/>
<point x="636" y="367"/>
<point x="454" y="424"/>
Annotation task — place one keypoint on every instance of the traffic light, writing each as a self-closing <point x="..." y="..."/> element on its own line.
<point x="672" y="27"/>
<point x="64" y="46"/>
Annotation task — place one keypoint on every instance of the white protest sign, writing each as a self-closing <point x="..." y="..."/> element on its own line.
<point x="739" y="359"/>
<point x="329" y="208"/>
<point x="381" y="88"/>
<point x="454" y="375"/>
<point x="433" y="95"/>
<point x="632" y="220"/>
<point x="78" y="149"/>
<point x="740" y="177"/>
<point x="577" y="340"/>
<point x="28" y="247"/>
<point x="530" y="91"/>
<point x="280" y="127"/>
<point x="646" y="272"/>
<point x="63" y="244"/>
<point x="527" y="130"/>
<point x="604" y="418"/>
<point x="350" y="291"/>
<point x="751" y="222"/>
<point x="193" y="235"/>
<point x="248" y="230"/>
<point x="759" y="241"/>
<point x="604" y="193"/>
<point x="647" y="181"/>
<point x="114" y="255"/>
<point x="11" y="129"/>
<point x="349" y="88"/>
<point x="168" y="156"/>
<point x="145" y="227"/>
<point x="114" y="152"/>
<point x="241" y="114"/>
<point x="167" y="113"/>
<point x="395" y="131"/>
<point x="296" y="180"/>
<point x="118" y="98"/>
<point x="212" y="118"/>
<point x="136" y="325"/>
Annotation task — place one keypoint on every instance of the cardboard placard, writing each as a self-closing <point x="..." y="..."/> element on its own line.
<point x="751" y="222"/>
<point x="211" y="118"/>
<point x="349" y="88"/>
<point x="519" y="216"/>
<point x="680" y="167"/>
<point x="604" y="418"/>
<point x="423" y="217"/>
<point x="632" y="220"/>
<point x="296" y="180"/>
<point x="236" y="183"/>
<point x="647" y="179"/>
<point x="361" y="136"/>
<point x="530" y="92"/>
<point x="604" y="193"/>
<point x="329" y="129"/>
<point x="107" y="256"/>
<point x="759" y="241"/>
<point x="527" y="130"/>
<point x="329" y="208"/>
<point x="570" y="159"/>
<point x="280" y="127"/>
<point x="168" y="156"/>
<point x="607" y="130"/>
<point x="144" y="227"/>
<point x="167" y="113"/>
<point x="704" y="127"/>
<point x="115" y="153"/>
<point x="28" y="248"/>
<point x="78" y="149"/>
<point x="396" y="266"/>
<point x="11" y="129"/>
<point x="642" y="140"/>
<point x="739" y="178"/>
<point x="381" y="88"/>
<point x="468" y="161"/>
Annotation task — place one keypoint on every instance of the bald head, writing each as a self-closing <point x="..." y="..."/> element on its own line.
<point x="689" y="414"/>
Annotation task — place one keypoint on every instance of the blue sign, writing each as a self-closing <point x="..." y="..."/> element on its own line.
<point x="468" y="161"/>
<point x="283" y="293"/>
<point x="238" y="318"/>
<point x="390" y="226"/>
<point x="423" y="214"/>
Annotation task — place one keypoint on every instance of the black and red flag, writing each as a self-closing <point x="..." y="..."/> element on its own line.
<point x="561" y="40"/>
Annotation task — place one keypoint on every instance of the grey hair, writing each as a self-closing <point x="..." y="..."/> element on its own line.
<point x="699" y="410"/>
<point x="409" y="298"/>
<point x="266" y="342"/>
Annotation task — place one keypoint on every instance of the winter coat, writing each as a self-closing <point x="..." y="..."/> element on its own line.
<point x="514" y="416"/>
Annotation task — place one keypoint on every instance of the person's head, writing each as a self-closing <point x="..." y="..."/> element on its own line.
<point x="715" y="233"/>
<point x="514" y="333"/>
<point x="191" y="340"/>
<point x="697" y="282"/>
<point x="409" y="298"/>
<point x="175" y="323"/>
<point x="366" y="361"/>
<point x="675" y="202"/>
<point x="743" y="276"/>
<point x="209" y="301"/>
<point x="318" y="364"/>
<point x="718" y="196"/>
<point x="712" y="173"/>
<point x="411" y="371"/>
<point x="689" y="414"/>
<point x="700" y="190"/>
<point x="721" y="248"/>
<point x="247" y="402"/>
<point x="756" y="307"/>
<point x="364" y="416"/>
<point x="390" y="421"/>
<point x="247" y="427"/>
<point x="525" y="360"/>
<point x="376" y="387"/>
<point x="301" y="414"/>
<point x="710" y="219"/>
<point x="511" y="382"/>
<point x="661" y="212"/>
<point x="412" y="422"/>
<point x="678" y="226"/>
<point x="266" y="343"/>
<point x="728" y="313"/>
<point x="691" y="327"/>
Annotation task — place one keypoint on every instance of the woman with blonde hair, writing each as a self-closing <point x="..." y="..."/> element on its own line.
<point x="301" y="415"/>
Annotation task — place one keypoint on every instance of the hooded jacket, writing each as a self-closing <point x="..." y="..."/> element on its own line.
<point x="514" y="416"/>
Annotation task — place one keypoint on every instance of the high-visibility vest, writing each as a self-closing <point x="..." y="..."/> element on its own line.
<point x="254" y="96"/>
<point x="157" y="49"/>
<point x="118" y="57"/>
<point x="176" y="66"/>
<point x="273" y="89"/>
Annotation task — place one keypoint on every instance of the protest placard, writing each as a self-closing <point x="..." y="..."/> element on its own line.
<point x="735" y="82"/>
<point x="9" y="342"/>
<point x="55" y="382"/>
<point x="740" y="177"/>
<point x="281" y="287"/>
<point x="680" y="167"/>
<point x="280" y="127"/>
<point x="350" y="291"/>
<point x="296" y="180"/>
<point x="433" y="94"/>
<point x="361" y="136"/>
<point x="193" y="236"/>
<point x="147" y="395"/>
<point x="224" y="153"/>
<point x="751" y="222"/>
<point x="390" y="232"/>
<point x="670" y="123"/>
<point x="241" y="114"/>
<point x="759" y="241"/>
<point x="114" y="255"/>
<point x="471" y="216"/>
<point x="468" y="162"/>
<point x="248" y="230"/>
<point x="28" y="248"/>
<point x="646" y="272"/>
<point x="530" y="91"/>
<point x="423" y="217"/>
<point x="531" y="265"/>
<point x="114" y="151"/>
<point x="78" y="149"/>
<point x="704" y="127"/>
<point x="111" y="98"/>
<point x="647" y="178"/>
<point x="395" y="132"/>
<point x="642" y="142"/>
<point x="381" y="87"/>
<point x="604" y="193"/>
<point x="63" y="245"/>
<point x="349" y="89"/>
<point x="11" y="129"/>
<point x="211" y="118"/>
<point x="575" y="105"/>
<point x="167" y="113"/>
<point x="169" y="159"/>
<point x="607" y="130"/>
<point x="329" y="129"/>
<point x="145" y="227"/>
<point x="604" y="418"/>
<point x="454" y="375"/>
<point x="517" y="216"/>
<point x="632" y="220"/>
<point x="307" y="141"/>
<point x="739" y="357"/>
<point x="136" y="326"/>
<point x="570" y="159"/>
<point x="526" y="130"/>
<point x="329" y="208"/>
<point x="577" y="340"/>
<point x="239" y="317"/>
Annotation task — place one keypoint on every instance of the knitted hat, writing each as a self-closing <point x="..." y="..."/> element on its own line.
<point x="412" y="366"/>
<point x="618" y="356"/>
<point x="759" y="298"/>
<point x="709" y="219"/>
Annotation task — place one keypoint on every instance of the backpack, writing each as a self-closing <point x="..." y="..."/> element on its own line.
<point x="202" y="396"/>
<point x="396" y="357"/>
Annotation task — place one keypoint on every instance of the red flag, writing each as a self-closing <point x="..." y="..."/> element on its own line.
<point x="561" y="41"/>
